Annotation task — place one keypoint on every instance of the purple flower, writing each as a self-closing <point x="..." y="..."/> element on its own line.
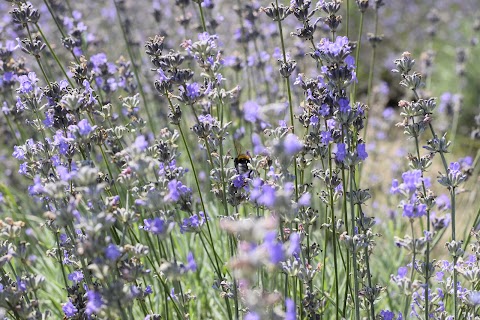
<point x="412" y="179"/>
<point x="402" y="272"/>
<point x="19" y="104"/>
<point x="84" y="127"/>
<point x="63" y="238"/>
<point x="69" y="309"/>
<point x="408" y="210"/>
<point x="192" y="90"/>
<point x="290" y="313"/>
<point x="443" y="202"/>
<point x="344" y="105"/>
<point x="427" y="182"/>
<point x="27" y="83"/>
<point x="266" y="196"/>
<point x="193" y="223"/>
<point x="252" y="316"/>
<point x="191" y="264"/>
<point x="474" y="297"/>
<point x="95" y="302"/>
<point x="75" y="276"/>
<point x="148" y="290"/>
<point x="176" y="190"/>
<point x="454" y="167"/>
<point x="333" y="51"/>
<point x="324" y="110"/>
<point x="112" y="252"/>
<point x="239" y="181"/>
<point x="350" y="62"/>
<point x="155" y="225"/>
<point x="387" y="315"/>
<point x="439" y="276"/>
<point x="362" y="154"/>
<point x="292" y="145"/>
<point x="21" y="285"/>
<point x="274" y="248"/>
<point x="64" y="174"/>
<point x="304" y="199"/>
<point x="89" y="92"/>
<point x="207" y="120"/>
<point x="251" y="111"/>
<point x="37" y="186"/>
<point x="49" y="119"/>
<point x="61" y="142"/>
<point x="388" y="114"/>
<point x="395" y="189"/>
<point x="326" y="137"/>
<point x="412" y="210"/>
<point x="466" y="162"/>
<point x="134" y="291"/>
<point x="140" y="143"/>
<point x="18" y="153"/>
<point x="98" y="60"/>
<point x="341" y="152"/>
<point x="55" y="160"/>
<point x="294" y="247"/>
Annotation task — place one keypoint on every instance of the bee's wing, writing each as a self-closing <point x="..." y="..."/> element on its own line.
<point x="239" y="149"/>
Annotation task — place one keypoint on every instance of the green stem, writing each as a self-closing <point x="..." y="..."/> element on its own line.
<point x="135" y="70"/>
<point x="52" y="52"/>
<point x="290" y="103"/>
<point x="204" y="26"/>
<point x="334" y="236"/>
<point x="59" y="253"/>
<point x="370" y="77"/>
<point x="427" y="252"/>
<point x="347" y="19"/>
<point x="354" y="252"/>
<point x="357" y="54"/>
<point x="407" y="297"/>
<point x="455" y="258"/>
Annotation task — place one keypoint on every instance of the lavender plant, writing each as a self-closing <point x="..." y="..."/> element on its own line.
<point x="208" y="160"/>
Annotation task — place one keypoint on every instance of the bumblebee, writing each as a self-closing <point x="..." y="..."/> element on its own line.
<point x="242" y="160"/>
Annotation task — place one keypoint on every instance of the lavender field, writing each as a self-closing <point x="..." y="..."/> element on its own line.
<point x="240" y="159"/>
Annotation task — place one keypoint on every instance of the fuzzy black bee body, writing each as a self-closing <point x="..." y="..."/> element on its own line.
<point x="241" y="163"/>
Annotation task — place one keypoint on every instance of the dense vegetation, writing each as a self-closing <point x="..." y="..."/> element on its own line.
<point x="239" y="159"/>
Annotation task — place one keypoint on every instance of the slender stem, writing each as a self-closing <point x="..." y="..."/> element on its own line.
<point x="370" y="75"/>
<point x="369" y="275"/>
<point x="245" y="52"/>
<point x="151" y="121"/>
<point x="201" y="198"/>
<point x="354" y="252"/>
<point x="290" y="103"/>
<point x="52" y="52"/>
<point x="357" y="54"/>
<point x="455" y="258"/>
<point x="59" y="253"/>
<point x="453" y="210"/>
<point x="407" y="297"/>
<point x="204" y="26"/>
<point x="347" y="19"/>
<point x="427" y="252"/>
<point x="334" y="235"/>
<point x="475" y="223"/>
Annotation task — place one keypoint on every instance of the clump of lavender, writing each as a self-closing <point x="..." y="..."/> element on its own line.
<point x="138" y="200"/>
<point x="419" y="198"/>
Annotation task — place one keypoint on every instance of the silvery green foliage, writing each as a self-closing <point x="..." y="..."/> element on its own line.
<point x="226" y="171"/>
